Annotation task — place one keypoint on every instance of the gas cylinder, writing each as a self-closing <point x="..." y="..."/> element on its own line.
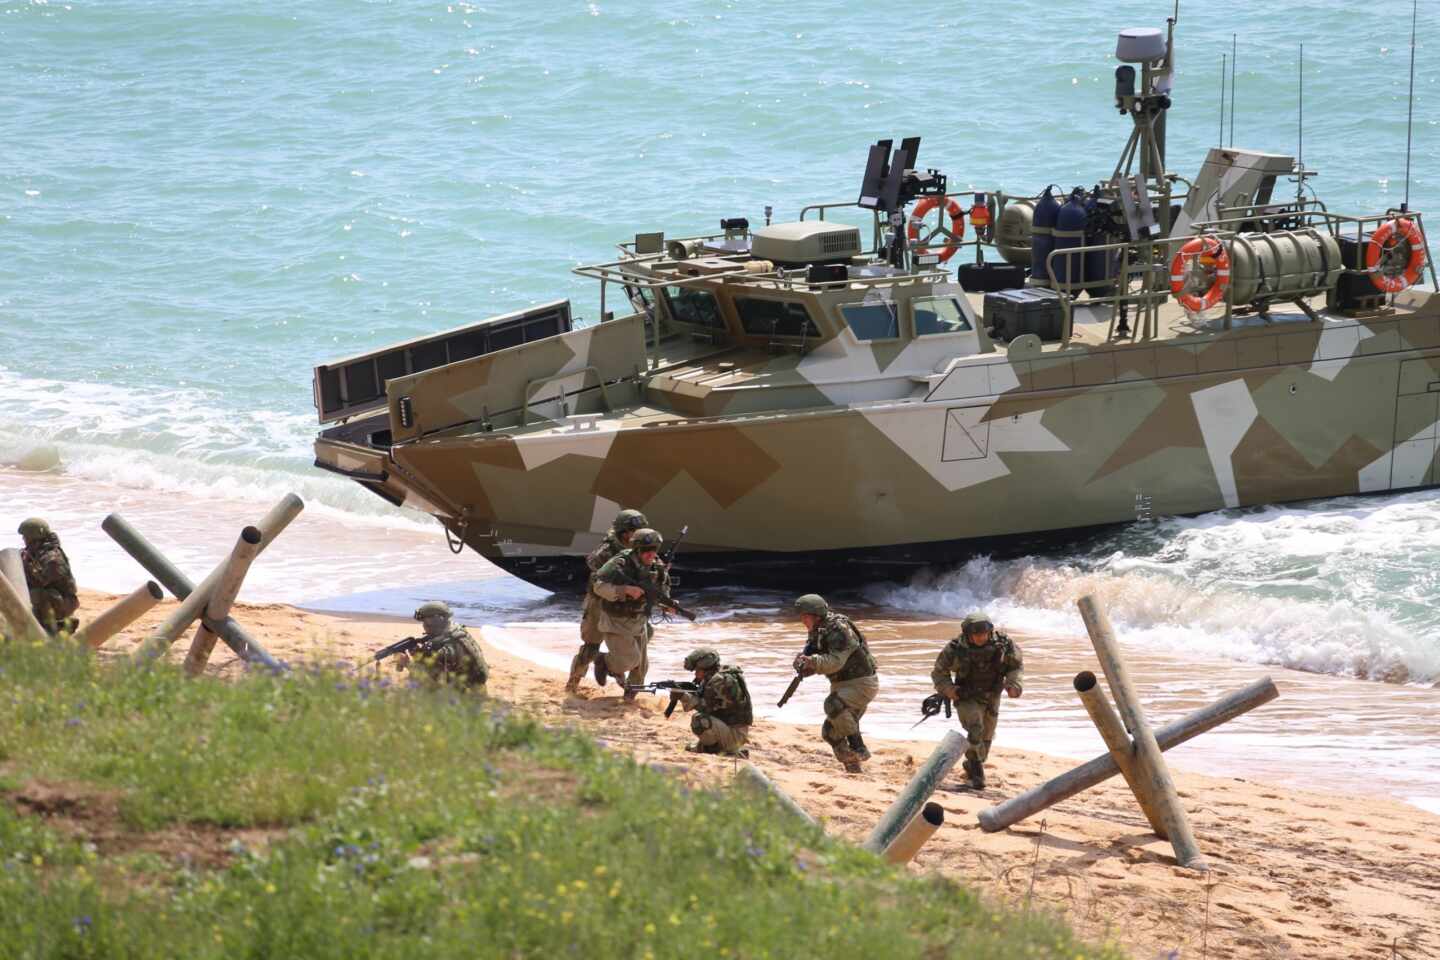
<point x="1042" y="236"/>
<point x="1100" y="265"/>
<point x="1069" y="232"/>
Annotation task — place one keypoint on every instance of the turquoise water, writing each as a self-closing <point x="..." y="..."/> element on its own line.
<point x="201" y="201"/>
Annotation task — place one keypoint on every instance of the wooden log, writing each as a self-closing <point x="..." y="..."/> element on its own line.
<point x="12" y="568"/>
<point x="120" y="615"/>
<point x="197" y="604"/>
<point x="947" y="753"/>
<point x="16" y="612"/>
<point x="1112" y="731"/>
<point x="751" y="776"/>
<point x="227" y="587"/>
<point x="1103" y="767"/>
<point x="1152" y="781"/>
<point x="920" y="829"/>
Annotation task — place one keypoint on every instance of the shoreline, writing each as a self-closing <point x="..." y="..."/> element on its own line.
<point x="1296" y="872"/>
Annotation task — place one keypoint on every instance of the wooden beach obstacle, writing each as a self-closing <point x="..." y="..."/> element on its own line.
<point x="210" y="601"/>
<point x="1134" y="750"/>
<point x="909" y="805"/>
<point x="120" y="615"/>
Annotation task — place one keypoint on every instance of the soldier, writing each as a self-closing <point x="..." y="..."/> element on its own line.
<point x="624" y="585"/>
<point x="625" y="525"/>
<point x="841" y="654"/>
<point x="452" y="655"/>
<point x="47" y="574"/>
<point x="971" y="671"/>
<point x="722" y="707"/>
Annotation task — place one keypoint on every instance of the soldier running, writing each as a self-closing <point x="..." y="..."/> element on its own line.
<point x="451" y="655"/>
<point x="722" y="707"/>
<point x="624" y="527"/>
<point x="841" y="654"/>
<point x="625" y="585"/>
<point x="971" y="671"/>
<point x="48" y="576"/>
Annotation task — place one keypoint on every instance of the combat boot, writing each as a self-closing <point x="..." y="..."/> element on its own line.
<point x="857" y="743"/>
<point x="577" y="673"/>
<point x="853" y="766"/>
<point x="975" y="772"/>
<point x="600" y="674"/>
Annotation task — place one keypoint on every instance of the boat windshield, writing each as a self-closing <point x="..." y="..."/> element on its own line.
<point x="939" y="315"/>
<point x="872" y="321"/>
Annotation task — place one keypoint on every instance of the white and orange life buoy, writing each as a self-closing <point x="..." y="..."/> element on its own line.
<point x="954" y="234"/>
<point x="1214" y="261"/>
<point x="1384" y="243"/>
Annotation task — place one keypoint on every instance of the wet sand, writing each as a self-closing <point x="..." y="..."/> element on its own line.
<point x="1296" y="873"/>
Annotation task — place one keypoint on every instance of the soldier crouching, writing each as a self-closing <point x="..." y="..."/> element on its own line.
<point x="971" y="671"/>
<point x="722" y="706"/>
<point x="450" y="654"/>
<point x="842" y="655"/>
<point x="53" y="597"/>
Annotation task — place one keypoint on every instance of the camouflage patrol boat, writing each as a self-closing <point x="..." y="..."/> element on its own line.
<point x="822" y="401"/>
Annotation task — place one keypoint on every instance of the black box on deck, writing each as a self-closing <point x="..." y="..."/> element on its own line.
<point x="1352" y="251"/>
<point x="987" y="277"/>
<point x="1029" y="310"/>
<point x="1355" y="291"/>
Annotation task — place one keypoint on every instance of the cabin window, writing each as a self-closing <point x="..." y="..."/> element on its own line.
<point x="872" y="321"/>
<point x="688" y="305"/>
<point x="775" y="318"/>
<point x="939" y="315"/>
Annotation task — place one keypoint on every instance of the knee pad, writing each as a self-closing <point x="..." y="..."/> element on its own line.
<point x="699" y="724"/>
<point x="834" y="706"/>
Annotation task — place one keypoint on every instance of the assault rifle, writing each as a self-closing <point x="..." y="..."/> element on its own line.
<point x="795" y="684"/>
<point x="677" y="689"/>
<point x="400" y="646"/>
<point x="932" y="705"/>
<point x="667" y="556"/>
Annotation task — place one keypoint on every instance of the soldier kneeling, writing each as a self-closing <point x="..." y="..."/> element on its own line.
<point x="722" y="706"/>
<point x="48" y="577"/>
<point x="450" y="654"/>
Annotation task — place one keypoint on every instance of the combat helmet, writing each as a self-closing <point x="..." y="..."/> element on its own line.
<point x="702" y="658"/>
<point x="812" y="603"/>
<point x="627" y="521"/>
<point x="33" y="528"/>
<point x="646" y="539"/>
<point x="432" y="608"/>
<point x="976" y="621"/>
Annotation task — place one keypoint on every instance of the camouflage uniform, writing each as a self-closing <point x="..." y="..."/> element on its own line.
<point x="590" y="610"/>
<point x="722" y="712"/>
<point x="52" y="586"/>
<point x="842" y="655"/>
<point x="974" y="677"/>
<point x="624" y="623"/>
<point x="455" y="657"/>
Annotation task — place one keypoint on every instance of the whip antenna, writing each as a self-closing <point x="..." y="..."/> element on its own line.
<point x="1300" y="130"/>
<point x="1234" y="59"/>
<point x="1221" y="141"/>
<point x="1410" y="111"/>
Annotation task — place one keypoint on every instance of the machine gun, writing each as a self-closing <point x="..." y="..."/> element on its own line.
<point x="677" y="688"/>
<point x="932" y="705"/>
<point x="795" y="684"/>
<point x="400" y="646"/>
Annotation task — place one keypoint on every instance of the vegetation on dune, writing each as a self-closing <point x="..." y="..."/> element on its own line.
<point x="317" y="814"/>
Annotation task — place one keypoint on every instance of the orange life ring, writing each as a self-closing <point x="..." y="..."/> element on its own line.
<point x="956" y="231"/>
<point x="1214" y="258"/>
<point x="1382" y="242"/>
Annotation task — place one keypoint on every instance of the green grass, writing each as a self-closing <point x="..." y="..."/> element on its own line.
<point x="410" y="823"/>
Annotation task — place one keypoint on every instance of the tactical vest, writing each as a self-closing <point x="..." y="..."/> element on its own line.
<point x="986" y="673"/>
<point x="48" y="553"/>
<point x="860" y="663"/>
<point x="737" y="714"/>
<point x="602" y="554"/>
<point x="631" y="573"/>
<point x="458" y="655"/>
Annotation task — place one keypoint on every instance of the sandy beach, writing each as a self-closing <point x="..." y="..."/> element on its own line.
<point x="1294" y="873"/>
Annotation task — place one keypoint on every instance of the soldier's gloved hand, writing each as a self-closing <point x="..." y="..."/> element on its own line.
<point x="402" y="660"/>
<point x="1013" y="691"/>
<point x="805" y="666"/>
<point x="634" y="593"/>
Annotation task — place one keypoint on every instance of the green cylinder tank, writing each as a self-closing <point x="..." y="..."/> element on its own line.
<point x="1282" y="265"/>
<point x="1012" y="233"/>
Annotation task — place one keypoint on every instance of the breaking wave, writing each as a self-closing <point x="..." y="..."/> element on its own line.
<point x="1346" y="587"/>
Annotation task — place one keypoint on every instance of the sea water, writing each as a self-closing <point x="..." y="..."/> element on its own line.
<point x="200" y="202"/>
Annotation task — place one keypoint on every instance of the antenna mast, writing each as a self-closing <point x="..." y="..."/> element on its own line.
<point x="1234" y="59"/>
<point x="1410" y="111"/>
<point x="1300" y="152"/>
<point x="1221" y="141"/>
